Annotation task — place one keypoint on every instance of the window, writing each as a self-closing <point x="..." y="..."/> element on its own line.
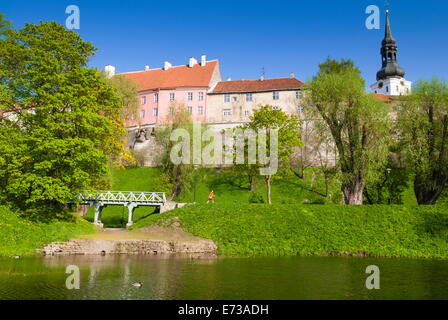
<point x="190" y="96"/>
<point x="172" y="96"/>
<point x="227" y="98"/>
<point x="170" y="110"/>
<point x="275" y="95"/>
<point x="200" y="110"/>
<point x="275" y="108"/>
<point x="227" y="112"/>
<point x="248" y="97"/>
<point x="246" y="113"/>
<point x="190" y="110"/>
<point x="142" y="114"/>
<point x="155" y="112"/>
<point x="300" y="109"/>
<point x="143" y="100"/>
<point x="201" y="96"/>
<point x="235" y="99"/>
<point x="156" y="97"/>
<point x="298" y="94"/>
<point x="387" y="88"/>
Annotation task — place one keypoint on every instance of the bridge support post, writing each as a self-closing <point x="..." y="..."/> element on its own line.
<point x="131" y="206"/>
<point x="98" y="210"/>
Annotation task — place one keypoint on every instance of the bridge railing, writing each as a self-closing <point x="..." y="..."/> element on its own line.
<point x="123" y="196"/>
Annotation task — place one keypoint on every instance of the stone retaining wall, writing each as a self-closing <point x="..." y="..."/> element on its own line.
<point x="84" y="247"/>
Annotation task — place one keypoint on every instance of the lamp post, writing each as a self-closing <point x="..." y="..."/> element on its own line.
<point x="388" y="185"/>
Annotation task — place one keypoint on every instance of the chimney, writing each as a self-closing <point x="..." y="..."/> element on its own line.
<point x="146" y="68"/>
<point x="262" y="77"/>
<point x="203" y="60"/>
<point x="291" y="75"/>
<point x="192" y="62"/>
<point x="229" y="79"/>
<point x="167" y="65"/>
<point x="109" y="70"/>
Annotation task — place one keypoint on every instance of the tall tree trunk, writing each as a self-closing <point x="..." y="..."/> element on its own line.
<point x="251" y="183"/>
<point x="268" y="184"/>
<point x="353" y="192"/>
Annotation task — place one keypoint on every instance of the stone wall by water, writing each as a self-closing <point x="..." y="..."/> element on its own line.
<point x="85" y="247"/>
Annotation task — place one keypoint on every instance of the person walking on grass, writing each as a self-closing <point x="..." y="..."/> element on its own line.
<point x="211" y="197"/>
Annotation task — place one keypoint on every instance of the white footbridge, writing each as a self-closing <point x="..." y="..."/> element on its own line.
<point x="129" y="199"/>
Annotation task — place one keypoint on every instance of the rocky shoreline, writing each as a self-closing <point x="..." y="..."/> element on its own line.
<point x="151" y="247"/>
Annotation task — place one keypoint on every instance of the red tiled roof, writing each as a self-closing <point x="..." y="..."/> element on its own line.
<point x="258" y="85"/>
<point x="174" y="77"/>
<point x="383" y="97"/>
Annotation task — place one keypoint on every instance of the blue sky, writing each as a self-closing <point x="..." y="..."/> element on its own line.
<point x="247" y="36"/>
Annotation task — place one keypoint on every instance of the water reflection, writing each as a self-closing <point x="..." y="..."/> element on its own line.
<point x="209" y="277"/>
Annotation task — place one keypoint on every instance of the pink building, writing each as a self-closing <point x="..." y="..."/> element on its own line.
<point x="160" y="89"/>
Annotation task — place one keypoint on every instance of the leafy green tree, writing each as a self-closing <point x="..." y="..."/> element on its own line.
<point x="64" y="125"/>
<point x="423" y="123"/>
<point x="128" y="93"/>
<point x="358" y="123"/>
<point x="179" y="175"/>
<point x="4" y="24"/>
<point x="288" y="126"/>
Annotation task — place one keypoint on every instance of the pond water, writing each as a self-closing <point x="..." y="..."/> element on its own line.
<point x="208" y="277"/>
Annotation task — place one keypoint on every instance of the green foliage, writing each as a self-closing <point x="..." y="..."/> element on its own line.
<point x="423" y="126"/>
<point x="256" y="229"/>
<point x="66" y="125"/>
<point x="388" y="188"/>
<point x="288" y="137"/>
<point x="4" y="24"/>
<point x="358" y="124"/>
<point x="331" y="66"/>
<point x="256" y="197"/>
<point x="127" y="91"/>
<point x="22" y="237"/>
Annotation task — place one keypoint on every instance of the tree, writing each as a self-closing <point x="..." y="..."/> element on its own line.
<point x="423" y="124"/>
<point x="65" y="123"/>
<point x="4" y="24"/>
<point x="179" y="175"/>
<point x="128" y="93"/>
<point x="357" y="122"/>
<point x="288" y="126"/>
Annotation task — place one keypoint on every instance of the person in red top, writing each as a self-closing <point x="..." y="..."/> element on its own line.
<point x="211" y="197"/>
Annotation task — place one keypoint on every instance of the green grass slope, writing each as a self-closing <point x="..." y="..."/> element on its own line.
<point x="22" y="237"/>
<point x="244" y="229"/>
<point x="130" y="179"/>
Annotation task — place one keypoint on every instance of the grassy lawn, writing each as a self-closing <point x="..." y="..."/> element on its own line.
<point x="22" y="237"/>
<point x="257" y="229"/>
<point x="229" y="188"/>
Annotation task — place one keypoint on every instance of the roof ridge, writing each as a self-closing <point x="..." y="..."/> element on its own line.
<point x="182" y="65"/>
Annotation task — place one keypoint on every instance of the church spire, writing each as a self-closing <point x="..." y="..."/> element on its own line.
<point x="389" y="50"/>
<point x="388" y="32"/>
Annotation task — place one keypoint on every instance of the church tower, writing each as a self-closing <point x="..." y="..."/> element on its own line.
<point x="390" y="79"/>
